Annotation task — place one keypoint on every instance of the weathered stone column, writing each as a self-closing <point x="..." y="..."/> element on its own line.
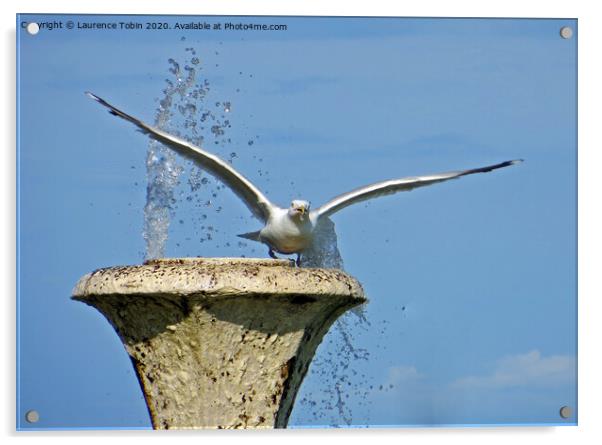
<point x="221" y="342"/>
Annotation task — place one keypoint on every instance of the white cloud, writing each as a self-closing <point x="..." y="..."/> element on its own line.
<point x="524" y="369"/>
<point x="401" y="374"/>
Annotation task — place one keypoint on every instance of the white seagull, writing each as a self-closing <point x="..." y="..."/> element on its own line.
<point x="286" y="230"/>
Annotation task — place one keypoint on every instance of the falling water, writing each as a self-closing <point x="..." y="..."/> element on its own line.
<point x="186" y="109"/>
<point x="178" y="108"/>
<point x="324" y="251"/>
<point x="162" y="170"/>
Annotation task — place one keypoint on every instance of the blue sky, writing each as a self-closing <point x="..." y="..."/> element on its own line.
<point x="472" y="284"/>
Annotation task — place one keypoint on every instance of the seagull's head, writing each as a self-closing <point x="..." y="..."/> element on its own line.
<point x="298" y="209"/>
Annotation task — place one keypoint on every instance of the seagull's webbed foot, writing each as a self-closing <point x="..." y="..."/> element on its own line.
<point x="272" y="254"/>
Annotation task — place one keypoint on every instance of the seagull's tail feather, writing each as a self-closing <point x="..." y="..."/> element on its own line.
<point x="253" y="236"/>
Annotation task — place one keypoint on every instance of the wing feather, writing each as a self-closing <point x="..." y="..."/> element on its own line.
<point x="256" y="201"/>
<point x="399" y="185"/>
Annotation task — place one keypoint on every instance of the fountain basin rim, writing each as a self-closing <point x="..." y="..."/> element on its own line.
<point x="218" y="277"/>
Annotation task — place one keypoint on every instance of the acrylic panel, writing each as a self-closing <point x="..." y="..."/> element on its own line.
<point x="471" y="287"/>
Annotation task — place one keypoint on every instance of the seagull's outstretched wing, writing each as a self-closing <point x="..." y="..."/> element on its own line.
<point x="398" y="185"/>
<point x="244" y="189"/>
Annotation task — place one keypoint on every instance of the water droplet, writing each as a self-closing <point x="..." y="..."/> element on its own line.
<point x="217" y="130"/>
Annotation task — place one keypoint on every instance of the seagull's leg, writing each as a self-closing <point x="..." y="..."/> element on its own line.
<point x="272" y="254"/>
<point x="298" y="262"/>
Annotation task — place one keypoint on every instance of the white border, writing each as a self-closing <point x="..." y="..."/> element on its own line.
<point x="590" y="371"/>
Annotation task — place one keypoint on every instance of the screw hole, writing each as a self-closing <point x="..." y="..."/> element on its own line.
<point x="565" y="412"/>
<point x="566" y="32"/>
<point x="33" y="28"/>
<point x="32" y="416"/>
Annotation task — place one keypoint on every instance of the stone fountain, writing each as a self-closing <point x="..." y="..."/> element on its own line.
<point x="220" y="342"/>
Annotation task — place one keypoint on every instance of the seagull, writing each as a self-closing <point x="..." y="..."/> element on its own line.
<point x="287" y="230"/>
